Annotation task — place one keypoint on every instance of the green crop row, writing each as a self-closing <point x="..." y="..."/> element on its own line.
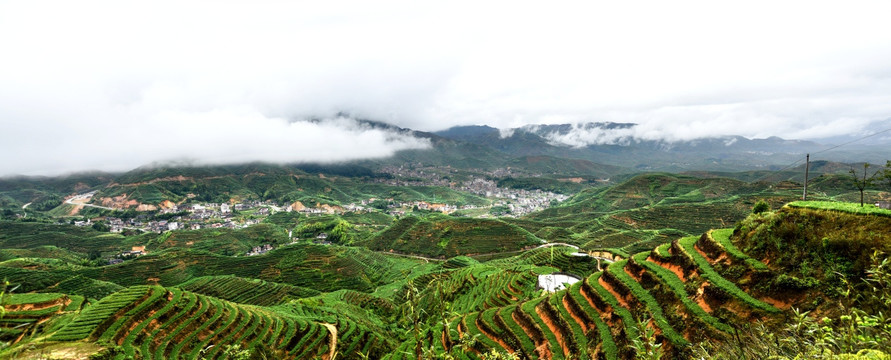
<point x="246" y="291"/>
<point x="188" y="324"/>
<point x="505" y="314"/>
<point x="628" y="319"/>
<point x="677" y="286"/>
<point x="588" y="312"/>
<point x="529" y="309"/>
<point x="687" y="245"/>
<point x="722" y="238"/>
<point x="155" y="296"/>
<point x="129" y="340"/>
<point x="18" y="299"/>
<point x="470" y="324"/>
<point x="76" y="302"/>
<point x="185" y="327"/>
<point x="617" y="269"/>
<point x="663" y="250"/>
<point x="89" y="319"/>
<point x="225" y="321"/>
<point x="574" y="329"/>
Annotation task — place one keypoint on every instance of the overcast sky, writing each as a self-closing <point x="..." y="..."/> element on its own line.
<point x="118" y="84"/>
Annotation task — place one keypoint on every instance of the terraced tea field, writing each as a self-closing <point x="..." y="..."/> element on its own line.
<point x="663" y="261"/>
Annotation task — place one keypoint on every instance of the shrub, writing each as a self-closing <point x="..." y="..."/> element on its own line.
<point x="760" y="207"/>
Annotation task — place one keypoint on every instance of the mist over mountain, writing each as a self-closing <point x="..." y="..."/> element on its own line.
<point x="629" y="145"/>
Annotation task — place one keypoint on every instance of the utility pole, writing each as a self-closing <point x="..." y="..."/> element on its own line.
<point x="807" y="168"/>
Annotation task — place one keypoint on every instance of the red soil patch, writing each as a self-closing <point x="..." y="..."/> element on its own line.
<point x="554" y="329"/>
<point x="38" y="306"/>
<point x="677" y="270"/>
<point x="608" y="287"/>
<point x="779" y="304"/>
<point x="608" y="310"/>
<point x="578" y="320"/>
<point x="633" y="275"/>
<point x="541" y="346"/>
<point x="76" y="209"/>
<point x="491" y="336"/>
<point x="700" y="299"/>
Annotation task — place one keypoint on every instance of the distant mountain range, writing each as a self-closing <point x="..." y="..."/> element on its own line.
<point x="593" y="150"/>
<point x="614" y="144"/>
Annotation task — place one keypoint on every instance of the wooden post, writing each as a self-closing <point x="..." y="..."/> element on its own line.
<point x="807" y="168"/>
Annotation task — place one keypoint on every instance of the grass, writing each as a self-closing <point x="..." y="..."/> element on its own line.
<point x="853" y="208"/>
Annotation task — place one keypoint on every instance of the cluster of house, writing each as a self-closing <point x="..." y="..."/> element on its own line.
<point x="520" y="201"/>
<point x="399" y="209"/>
<point x="206" y="215"/>
<point x="135" y="251"/>
<point x="322" y="239"/>
<point x="259" y="250"/>
<point x="416" y="175"/>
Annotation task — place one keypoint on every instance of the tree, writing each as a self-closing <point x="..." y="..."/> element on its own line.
<point x="101" y="226"/>
<point x="886" y="174"/>
<point x="862" y="182"/>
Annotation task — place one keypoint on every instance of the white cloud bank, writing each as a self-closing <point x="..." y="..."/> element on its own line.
<point x="208" y="138"/>
<point x="111" y="84"/>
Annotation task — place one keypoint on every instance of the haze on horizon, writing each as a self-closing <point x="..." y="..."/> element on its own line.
<point x="112" y="86"/>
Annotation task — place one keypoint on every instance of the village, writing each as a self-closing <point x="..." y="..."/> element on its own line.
<point x="194" y="216"/>
<point x="200" y="215"/>
<point x="519" y="201"/>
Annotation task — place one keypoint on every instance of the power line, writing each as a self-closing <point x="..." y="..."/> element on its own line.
<point x="822" y="151"/>
<point x="853" y="141"/>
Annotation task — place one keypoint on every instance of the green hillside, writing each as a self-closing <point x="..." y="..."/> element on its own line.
<point x="668" y="266"/>
<point x="444" y="236"/>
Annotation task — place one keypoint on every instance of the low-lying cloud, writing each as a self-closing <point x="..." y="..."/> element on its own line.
<point x="112" y="85"/>
<point x="224" y="136"/>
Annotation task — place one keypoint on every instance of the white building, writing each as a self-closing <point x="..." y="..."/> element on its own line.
<point x="224" y="208"/>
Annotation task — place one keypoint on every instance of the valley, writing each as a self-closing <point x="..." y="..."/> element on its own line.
<point x="426" y="261"/>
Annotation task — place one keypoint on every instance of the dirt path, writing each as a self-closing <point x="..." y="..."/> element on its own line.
<point x="410" y="256"/>
<point x="82" y="201"/>
<point x="332" y="343"/>
<point x="477" y="255"/>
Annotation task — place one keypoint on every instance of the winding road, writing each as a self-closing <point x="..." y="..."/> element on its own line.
<point x="505" y="252"/>
<point x="23" y="210"/>
<point x="85" y="198"/>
